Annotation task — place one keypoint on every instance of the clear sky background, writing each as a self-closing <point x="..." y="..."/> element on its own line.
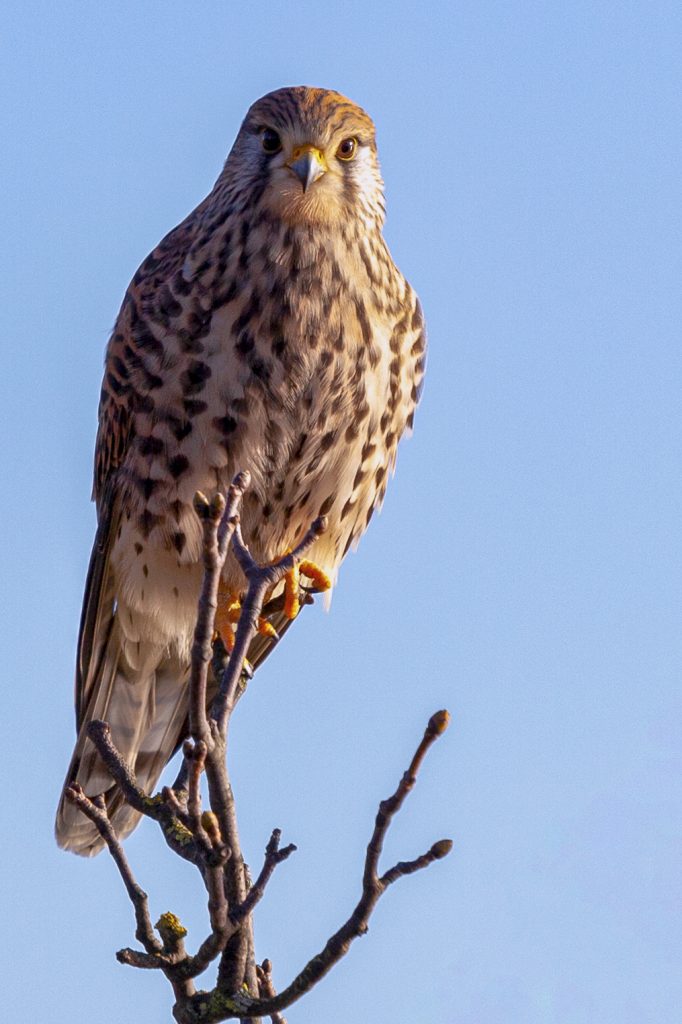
<point x="525" y="572"/>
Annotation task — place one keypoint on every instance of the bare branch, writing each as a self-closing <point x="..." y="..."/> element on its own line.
<point x="266" y="989"/>
<point x="146" y="961"/>
<point x="408" y="867"/>
<point x="260" y="579"/>
<point x="195" y="756"/>
<point x="225" y="926"/>
<point x="219" y="519"/>
<point x="437" y="725"/>
<point x="218" y="1005"/>
<point x="273" y="857"/>
<point x="119" y="769"/>
<point x="175" y="831"/>
<point x="176" y="801"/>
<point x="222" y="870"/>
<point x="95" y="810"/>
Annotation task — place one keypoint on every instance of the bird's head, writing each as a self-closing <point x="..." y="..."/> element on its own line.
<point x="308" y="156"/>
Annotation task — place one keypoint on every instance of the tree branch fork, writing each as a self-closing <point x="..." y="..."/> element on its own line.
<point x="209" y="838"/>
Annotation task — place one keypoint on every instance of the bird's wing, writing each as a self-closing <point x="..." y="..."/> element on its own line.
<point x="125" y="388"/>
<point x="97" y="614"/>
<point x="141" y="701"/>
<point x="116" y="427"/>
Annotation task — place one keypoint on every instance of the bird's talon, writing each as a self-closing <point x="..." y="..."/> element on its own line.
<point x="292" y="602"/>
<point x="292" y="585"/>
<point x="227" y="616"/>
<point x="227" y="637"/>
<point x="266" y="628"/>
<point x="318" y="576"/>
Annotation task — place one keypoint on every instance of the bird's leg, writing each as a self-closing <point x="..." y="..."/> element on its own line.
<point x="227" y="616"/>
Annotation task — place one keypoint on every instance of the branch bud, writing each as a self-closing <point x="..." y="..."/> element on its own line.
<point x="441" y="848"/>
<point x="438" y="723"/>
<point x="217" y="506"/>
<point x="200" y="504"/>
<point x="210" y="824"/>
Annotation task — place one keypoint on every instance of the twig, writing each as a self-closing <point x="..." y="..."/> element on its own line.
<point x="266" y="989"/>
<point x="95" y="810"/>
<point x="273" y="857"/>
<point x="175" y="831"/>
<point x="119" y="769"/>
<point x="176" y="801"/>
<point x="223" y="930"/>
<point x="261" y="579"/>
<point x="219" y="519"/>
<point x="437" y="725"/>
<point x="195" y="756"/>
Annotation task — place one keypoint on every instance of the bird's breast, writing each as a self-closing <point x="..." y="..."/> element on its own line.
<point x="291" y="377"/>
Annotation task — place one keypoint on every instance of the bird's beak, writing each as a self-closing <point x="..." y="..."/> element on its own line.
<point x="308" y="164"/>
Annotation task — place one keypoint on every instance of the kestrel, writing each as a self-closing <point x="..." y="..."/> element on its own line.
<point x="269" y="331"/>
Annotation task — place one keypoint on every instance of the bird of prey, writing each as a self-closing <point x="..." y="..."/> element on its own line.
<point x="269" y="331"/>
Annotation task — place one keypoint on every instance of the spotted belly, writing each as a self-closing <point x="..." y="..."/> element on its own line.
<point x="296" y="475"/>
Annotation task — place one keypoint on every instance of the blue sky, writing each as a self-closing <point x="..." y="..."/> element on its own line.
<point x="524" y="572"/>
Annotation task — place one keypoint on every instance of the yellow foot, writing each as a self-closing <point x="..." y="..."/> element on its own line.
<point x="227" y="616"/>
<point x="292" y="584"/>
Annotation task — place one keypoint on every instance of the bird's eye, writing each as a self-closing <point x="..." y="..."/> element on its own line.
<point x="270" y="141"/>
<point x="347" y="149"/>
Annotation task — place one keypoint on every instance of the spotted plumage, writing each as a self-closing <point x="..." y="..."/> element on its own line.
<point x="269" y="331"/>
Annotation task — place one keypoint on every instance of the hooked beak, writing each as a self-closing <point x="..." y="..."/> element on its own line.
<point x="308" y="164"/>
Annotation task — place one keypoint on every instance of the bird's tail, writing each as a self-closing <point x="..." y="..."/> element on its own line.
<point x="143" y="698"/>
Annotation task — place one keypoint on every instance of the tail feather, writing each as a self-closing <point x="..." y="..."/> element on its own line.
<point x="146" y="708"/>
<point x="141" y="691"/>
